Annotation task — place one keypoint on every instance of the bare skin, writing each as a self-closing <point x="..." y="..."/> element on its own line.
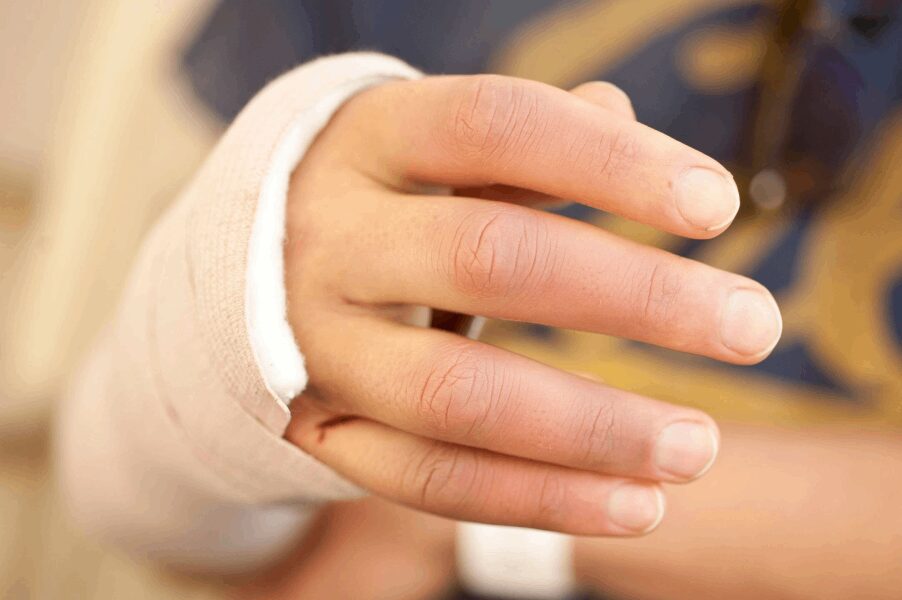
<point x="462" y="429"/>
<point x="362" y="550"/>
<point x="785" y="514"/>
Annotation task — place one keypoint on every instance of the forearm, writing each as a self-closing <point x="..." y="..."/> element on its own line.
<point x="149" y="438"/>
<point x="784" y="514"/>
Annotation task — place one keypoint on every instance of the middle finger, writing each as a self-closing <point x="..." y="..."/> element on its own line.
<point x="512" y="262"/>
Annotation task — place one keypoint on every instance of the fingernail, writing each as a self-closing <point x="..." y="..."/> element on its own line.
<point x="707" y="199"/>
<point x="635" y="507"/>
<point x="686" y="449"/>
<point x="751" y="322"/>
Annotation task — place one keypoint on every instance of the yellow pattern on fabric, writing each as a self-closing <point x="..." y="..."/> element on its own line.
<point x="837" y="303"/>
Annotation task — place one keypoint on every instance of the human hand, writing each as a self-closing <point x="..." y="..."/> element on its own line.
<point x="366" y="549"/>
<point x="463" y="429"/>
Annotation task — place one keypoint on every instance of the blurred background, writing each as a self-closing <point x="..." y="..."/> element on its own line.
<point x="88" y="89"/>
<point x="107" y="107"/>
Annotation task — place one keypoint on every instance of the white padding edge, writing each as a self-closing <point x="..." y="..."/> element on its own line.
<point x="275" y="350"/>
<point x="513" y="562"/>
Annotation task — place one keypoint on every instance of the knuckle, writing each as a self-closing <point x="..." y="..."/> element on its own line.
<point x="461" y="393"/>
<point x="443" y="476"/>
<point x="613" y="153"/>
<point x="551" y="502"/>
<point x="494" y="115"/>
<point x="500" y="253"/>
<point x="598" y="437"/>
<point x="658" y="292"/>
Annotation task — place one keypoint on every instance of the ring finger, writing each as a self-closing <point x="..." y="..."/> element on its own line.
<point x="476" y="485"/>
<point x="442" y="386"/>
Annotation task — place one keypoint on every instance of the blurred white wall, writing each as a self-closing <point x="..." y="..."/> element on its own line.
<point x="98" y="130"/>
<point x="35" y="38"/>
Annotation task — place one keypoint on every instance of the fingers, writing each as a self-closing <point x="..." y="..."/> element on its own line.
<point x="475" y="485"/>
<point x="480" y="130"/>
<point x="606" y="95"/>
<point x="515" y="263"/>
<point x="600" y="93"/>
<point x="441" y="386"/>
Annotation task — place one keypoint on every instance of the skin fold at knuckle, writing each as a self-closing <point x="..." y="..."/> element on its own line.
<point x="499" y="253"/>
<point x="551" y="508"/>
<point x="615" y="155"/>
<point x="456" y="393"/>
<point x="597" y="437"/>
<point x="443" y="478"/>
<point x="494" y="118"/>
<point x="658" y="295"/>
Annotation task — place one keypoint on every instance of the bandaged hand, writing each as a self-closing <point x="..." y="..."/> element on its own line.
<point x="460" y="428"/>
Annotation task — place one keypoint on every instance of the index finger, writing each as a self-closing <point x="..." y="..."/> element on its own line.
<point x="489" y="129"/>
